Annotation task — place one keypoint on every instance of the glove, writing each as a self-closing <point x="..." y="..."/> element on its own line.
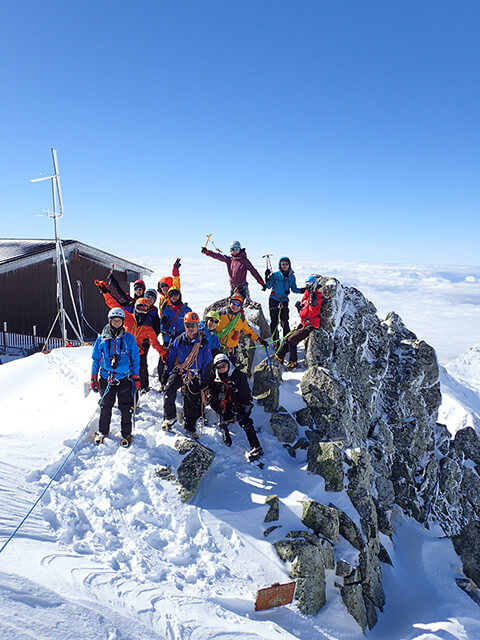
<point x="204" y="249"/>
<point x="177" y="264"/>
<point x="136" y="382"/>
<point x="303" y="289"/>
<point x="102" y="285"/>
<point x="267" y="273"/>
<point x="298" y="305"/>
<point x="94" y="383"/>
<point x="264" y="343"/>
<point x="264" y="287"/>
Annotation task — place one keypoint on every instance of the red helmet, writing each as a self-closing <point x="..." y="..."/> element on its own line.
<point x="139" y="283"/>
<point x="191" y="316"/>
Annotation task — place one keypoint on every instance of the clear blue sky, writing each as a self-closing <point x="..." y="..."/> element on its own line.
<point x="347" y="128"/>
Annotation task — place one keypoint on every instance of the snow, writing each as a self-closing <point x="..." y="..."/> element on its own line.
<point x="112" y="553"/>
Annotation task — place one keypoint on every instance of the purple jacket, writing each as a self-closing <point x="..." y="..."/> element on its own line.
<point x="237" y="267"/>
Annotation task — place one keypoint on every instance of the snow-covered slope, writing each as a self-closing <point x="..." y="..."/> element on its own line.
<point x="112" y="553"/>
<point x="460" y="380"/>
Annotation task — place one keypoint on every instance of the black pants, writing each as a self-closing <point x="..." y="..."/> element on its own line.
<point x="144" y="370"/>
<point x="192" y="401"/>
<point x="122" y="391"/>
<point x="242" y="289"/>
<point x="241" y="414"/>
<point x="290" y="344"/>
<point x="277" y="309"/>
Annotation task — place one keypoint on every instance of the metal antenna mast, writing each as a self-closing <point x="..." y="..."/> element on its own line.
<point x="62" y="315"/>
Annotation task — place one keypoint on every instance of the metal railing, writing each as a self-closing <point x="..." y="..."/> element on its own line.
<point x="25" y="343"/>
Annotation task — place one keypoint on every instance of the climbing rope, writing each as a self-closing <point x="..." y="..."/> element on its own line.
<point x="17" y="528"/>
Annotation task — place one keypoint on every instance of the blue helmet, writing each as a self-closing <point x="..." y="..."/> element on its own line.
<point x="150" y="293"/>
<point x="310" y="282"/>
<point x="235" y="246"/>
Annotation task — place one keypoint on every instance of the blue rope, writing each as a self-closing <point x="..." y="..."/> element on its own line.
<point x="14" y="533"/>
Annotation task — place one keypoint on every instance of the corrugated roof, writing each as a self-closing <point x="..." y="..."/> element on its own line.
<point x="25" y="250"/>
<point x="16" y="248"/>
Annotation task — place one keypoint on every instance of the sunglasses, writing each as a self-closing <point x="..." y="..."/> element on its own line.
<point x="191" y="325"/>
<point x="222" y="365"/>
<point x="164" y="286"/>
<point x="213" y="320"/>
<point x="138" y="288"/>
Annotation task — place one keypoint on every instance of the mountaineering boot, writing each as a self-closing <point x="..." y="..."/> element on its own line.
<point x="98" y="438"/>
<point x="125" y="442"/>
<point x="254" y="454"/>
<point x="192" y="434"/>
<point x="292" y="365"/>
<point x="226" y="435"/>
<point x="167" y="424"/>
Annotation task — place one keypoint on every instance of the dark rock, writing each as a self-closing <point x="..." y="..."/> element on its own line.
<point x="284" y="426"/>
<point x="321" y="519"/>
<point x="467" y="546"/>
<point x="273" y="511"/>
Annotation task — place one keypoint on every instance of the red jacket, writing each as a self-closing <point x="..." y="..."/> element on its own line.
<point x="310" y="313"/>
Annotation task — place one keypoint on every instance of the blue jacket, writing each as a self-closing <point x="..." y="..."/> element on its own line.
<point x="210" y="336"/>
<point x="172" y="322"/>
<point x="181" y="348"/>
<point x="282" y="283"/>
<point x="124" y="346"/>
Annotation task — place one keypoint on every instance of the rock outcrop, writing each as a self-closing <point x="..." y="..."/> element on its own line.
<point x="372" y="395"/>
<point x="191" y="468"/>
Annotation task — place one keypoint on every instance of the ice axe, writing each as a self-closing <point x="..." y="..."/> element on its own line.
<point x="268" y="263"/>
<point x="207" y="240"/>
<point x="270" y="364"/>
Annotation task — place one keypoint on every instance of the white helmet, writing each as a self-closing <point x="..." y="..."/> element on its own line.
<point x="116" y="312"/>
<point x="220" y="357"/>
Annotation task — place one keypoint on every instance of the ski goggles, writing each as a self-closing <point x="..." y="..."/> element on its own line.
<point x="191" y="325"/>
<point x="236" y="303"/>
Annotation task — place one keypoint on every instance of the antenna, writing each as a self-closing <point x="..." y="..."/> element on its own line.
<point x="62" y="315"/>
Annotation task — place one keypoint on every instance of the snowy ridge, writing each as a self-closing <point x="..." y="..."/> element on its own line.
<point x="112" y="552"/>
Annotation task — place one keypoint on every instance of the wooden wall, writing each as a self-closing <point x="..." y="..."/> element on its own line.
<point x="28" y="295"/>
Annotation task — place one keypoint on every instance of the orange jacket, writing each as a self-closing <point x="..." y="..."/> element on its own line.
<point x="140" y="332"/>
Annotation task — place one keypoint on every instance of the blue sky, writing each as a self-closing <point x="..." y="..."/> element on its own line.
<point x="346" y="130"/>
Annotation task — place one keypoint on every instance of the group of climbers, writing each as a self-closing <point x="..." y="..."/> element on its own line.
<point x="197" y="357"/>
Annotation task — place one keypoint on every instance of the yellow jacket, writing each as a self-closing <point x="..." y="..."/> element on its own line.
<point x="161" y="298"/>
<point x="230" y="340"/>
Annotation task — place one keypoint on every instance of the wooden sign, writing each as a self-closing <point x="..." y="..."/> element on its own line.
<point x="274" y="596"/>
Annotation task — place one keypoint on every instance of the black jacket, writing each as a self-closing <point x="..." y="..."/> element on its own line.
<point x="234" y="390"/>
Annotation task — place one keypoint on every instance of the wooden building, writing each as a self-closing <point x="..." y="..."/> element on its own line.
<point x="28" y="284"/>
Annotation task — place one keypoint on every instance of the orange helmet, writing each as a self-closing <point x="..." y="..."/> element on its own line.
<point x="142" y="305"/>
<point x="167" y="280"/>
<point x="236" y="298"/>
<point x="191" y="316"/>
